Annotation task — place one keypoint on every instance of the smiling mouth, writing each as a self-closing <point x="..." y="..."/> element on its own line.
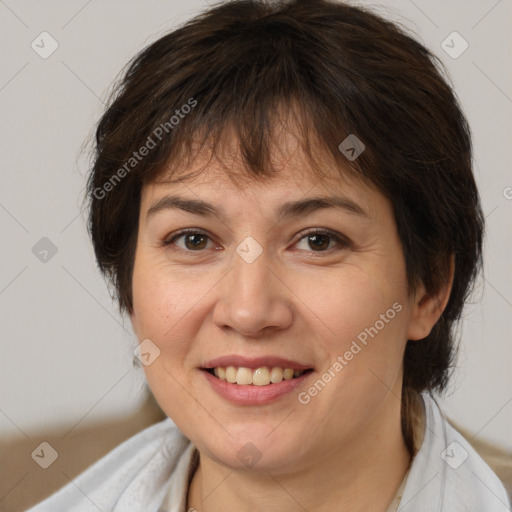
<point x="263" y="376"/>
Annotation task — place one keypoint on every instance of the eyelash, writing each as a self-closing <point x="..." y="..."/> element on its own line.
<point x="341" y="240"/>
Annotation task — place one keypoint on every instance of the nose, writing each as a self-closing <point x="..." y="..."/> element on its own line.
<point x="253" y="298"/>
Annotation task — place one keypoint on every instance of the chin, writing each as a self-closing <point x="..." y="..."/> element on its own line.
<point x="254" y="449"/>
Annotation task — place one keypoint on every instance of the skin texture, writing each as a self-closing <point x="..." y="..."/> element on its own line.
<point x="344" y="449"/>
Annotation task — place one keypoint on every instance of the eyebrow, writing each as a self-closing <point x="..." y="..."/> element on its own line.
<point x="285" y="211"/>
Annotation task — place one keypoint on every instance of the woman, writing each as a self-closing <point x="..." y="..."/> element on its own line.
<point x="283" y="199"/>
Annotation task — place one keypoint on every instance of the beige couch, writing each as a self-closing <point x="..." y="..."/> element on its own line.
<point x="23" y="483"/>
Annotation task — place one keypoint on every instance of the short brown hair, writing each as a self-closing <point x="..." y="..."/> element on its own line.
<point x="342" y="70"/>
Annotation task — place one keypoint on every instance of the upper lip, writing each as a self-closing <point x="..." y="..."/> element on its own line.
<point x="255" y="362"/>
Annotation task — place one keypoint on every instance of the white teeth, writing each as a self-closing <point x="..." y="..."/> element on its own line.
<point x="262" y="376"/>
<point x="231" y="374"/>
<point x="288" y="374"/>
<point x="244" y="376"/>
<point x="276" y="375"/>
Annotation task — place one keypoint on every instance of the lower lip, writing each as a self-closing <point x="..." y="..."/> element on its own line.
<point x="254" y="395"/>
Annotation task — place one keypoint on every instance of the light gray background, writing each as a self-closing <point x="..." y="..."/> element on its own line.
<point x="66" y="358"/>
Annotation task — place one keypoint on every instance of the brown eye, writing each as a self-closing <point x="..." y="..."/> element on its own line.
<point x="318" y="242"/>
<point x="193" y="240"/>
<point x="321" y="240"/>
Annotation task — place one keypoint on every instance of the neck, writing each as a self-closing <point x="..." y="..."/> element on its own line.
<point x="363" y="474"/>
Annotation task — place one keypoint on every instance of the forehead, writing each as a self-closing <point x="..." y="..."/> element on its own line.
<point x="222" y="169"/>
<point x="290" y="192"/>
<point x="293" y="192"/>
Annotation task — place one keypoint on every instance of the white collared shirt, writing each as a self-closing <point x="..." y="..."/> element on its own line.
<point x="150" y="472"/>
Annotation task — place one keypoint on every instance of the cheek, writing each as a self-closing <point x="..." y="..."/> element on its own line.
<point x="363" y="321"/>
<point x="163" y="304"/>
<point x="363" y="314"/>
<point x="160" y="304"/>
<point x="160" y="299"/>
<point x="351" y="300"/>
<point x="170" y="308"/>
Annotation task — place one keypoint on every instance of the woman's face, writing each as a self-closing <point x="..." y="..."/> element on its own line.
<point x="269" y="280"/>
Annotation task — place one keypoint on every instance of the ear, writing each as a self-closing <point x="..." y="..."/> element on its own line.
<point x="427" y="309"/>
